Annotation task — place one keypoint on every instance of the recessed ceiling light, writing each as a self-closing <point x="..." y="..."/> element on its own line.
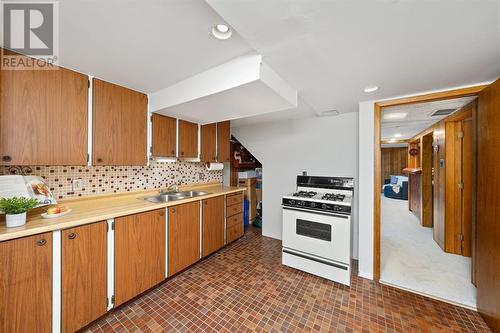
<point x="395" y="116"/>
<point x="370" y="89"/>
<point x="397" y="135"/>
<point x="221" y="31"/>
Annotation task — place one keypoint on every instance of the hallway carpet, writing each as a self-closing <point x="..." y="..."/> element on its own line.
<point x="244" y="288"/>
<point x="410" y="258"/>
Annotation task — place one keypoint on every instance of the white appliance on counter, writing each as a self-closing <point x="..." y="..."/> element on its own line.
<point x="317" y="227"/>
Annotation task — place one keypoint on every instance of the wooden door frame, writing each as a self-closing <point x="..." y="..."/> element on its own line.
<point x="442" y="95"/>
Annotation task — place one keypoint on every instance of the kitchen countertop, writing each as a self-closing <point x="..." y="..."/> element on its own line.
<point x="102" y="207"/>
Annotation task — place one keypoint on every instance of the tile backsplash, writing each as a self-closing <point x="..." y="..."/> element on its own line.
<point x="113" y="179"/>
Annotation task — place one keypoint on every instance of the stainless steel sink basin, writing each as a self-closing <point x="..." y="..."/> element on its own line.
<point x="194" y="193"/>
<point x="164" y="198"/>
<point x="173" y="196"/>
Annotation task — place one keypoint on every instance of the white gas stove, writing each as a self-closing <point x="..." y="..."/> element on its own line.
<point x="317" y="227"/>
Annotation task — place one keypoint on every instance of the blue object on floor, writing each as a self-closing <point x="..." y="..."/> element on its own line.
<point x="246" y="206"/>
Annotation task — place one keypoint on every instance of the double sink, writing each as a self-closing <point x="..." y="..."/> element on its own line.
<point x="173" y="196"/>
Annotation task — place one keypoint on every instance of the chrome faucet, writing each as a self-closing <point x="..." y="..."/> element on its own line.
<point x="173" y="187"/>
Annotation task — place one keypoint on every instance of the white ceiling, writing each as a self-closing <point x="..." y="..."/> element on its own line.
<point x="328" y="50"/>
<point x="418" y="117"/>
<point x="331" y="50"/>
<point x="145" y="45"/>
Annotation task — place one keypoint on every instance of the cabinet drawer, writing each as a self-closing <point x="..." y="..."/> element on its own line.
<point x="234" y="220"/>
<point x="234" y="232"/>
<point x="233" y="199"/>
<point x="234" y="209"/>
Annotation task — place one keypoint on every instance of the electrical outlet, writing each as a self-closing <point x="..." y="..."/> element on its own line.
<point x="77" y="185"/>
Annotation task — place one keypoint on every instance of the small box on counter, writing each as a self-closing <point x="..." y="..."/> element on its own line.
<point x="246" y="174"/>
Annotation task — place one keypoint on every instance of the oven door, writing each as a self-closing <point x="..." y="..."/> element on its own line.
<point x="322" y="234"/>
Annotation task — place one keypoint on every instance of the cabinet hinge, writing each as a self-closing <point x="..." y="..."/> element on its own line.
<point x="112" y="228"/>
<point x="460" y="135"/>
<point x="113" y="299"/>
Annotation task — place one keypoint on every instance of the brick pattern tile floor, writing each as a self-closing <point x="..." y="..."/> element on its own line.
<point x="244" y="288"/>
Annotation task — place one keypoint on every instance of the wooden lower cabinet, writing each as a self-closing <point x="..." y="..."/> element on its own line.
<point x="234" y="219"/>
<point x="212" y="225"/>
<point x="26" y="284"/>
<point x="234" y="232"/>
<point x="139" y="253"/>
<point x="183" y="236"/>
<point x="84" y="275"/>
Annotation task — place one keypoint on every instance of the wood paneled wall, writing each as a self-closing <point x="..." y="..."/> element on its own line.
<point x="393" y="161"/>
<point x="488" y="205"/>
<point x="439" y="183"/>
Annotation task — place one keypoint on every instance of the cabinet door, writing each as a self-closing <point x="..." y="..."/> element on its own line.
<point x="119" y="118"/>
<point x="164" y="135"/>
<point x="26" y="284"/>
<point x="139" y="253"/>
<point x="43" y="117"/>
<point x="84" y="279"/>
<point x="188" y="139"/>
<point x="183" y="236"/>
<point x="208" y="142"/>
<point x="223" y="141"/>
<point x="212" y="225"/>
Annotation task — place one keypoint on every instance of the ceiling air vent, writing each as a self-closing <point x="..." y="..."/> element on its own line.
<point x="442" y="112"/>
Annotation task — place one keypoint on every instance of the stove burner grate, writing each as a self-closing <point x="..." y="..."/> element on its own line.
<point x="333" y="197"/>
<point x="305" y="194"/>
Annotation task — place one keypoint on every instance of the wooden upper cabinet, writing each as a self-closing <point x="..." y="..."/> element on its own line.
<point x="188" y="139"/>
<point x="119" y="118"/>
<point x="212" y="225"/>
<point x="26" y="284"/>
<point x="183" y="236"/>
<point x="223" y="141"/>
<point x="139" y="253"/>
<point x="164" y="136"/>
<point x="84" y="278"/>
<point x="43" y="117"/>
<point x="208" y="142"/>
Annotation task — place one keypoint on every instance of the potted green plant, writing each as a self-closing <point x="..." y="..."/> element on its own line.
<point x="15" y="210"/>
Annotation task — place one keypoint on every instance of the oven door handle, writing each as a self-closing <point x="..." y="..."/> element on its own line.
<point x="316" y="212"/>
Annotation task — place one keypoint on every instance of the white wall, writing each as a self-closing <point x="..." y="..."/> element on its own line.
<point x="365" y="188"/>
<point x="326" y="146"/>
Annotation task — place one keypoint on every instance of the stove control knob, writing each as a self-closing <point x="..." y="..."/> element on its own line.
<point x="324" y="206"/>
<point x="313" y="204"/>
<point x="300" y="203"/>
<point x="337" y="208"/>
<point x="292" y="202"/>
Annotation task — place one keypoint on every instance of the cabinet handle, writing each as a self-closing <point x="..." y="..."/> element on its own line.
<point x="99" y="160"/>
<point x="182" y="153"/>
<point x="41" y="242"/>
<point x="6" y="158"/>
<point x="161" y="212"/>
<point x="72" y="235"/>
<point x="173" y="210"/>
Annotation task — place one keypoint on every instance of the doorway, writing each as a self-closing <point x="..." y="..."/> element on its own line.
<point x="426" y="207"/>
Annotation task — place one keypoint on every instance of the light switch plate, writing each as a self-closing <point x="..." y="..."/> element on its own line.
<point x="77" y="184"/>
